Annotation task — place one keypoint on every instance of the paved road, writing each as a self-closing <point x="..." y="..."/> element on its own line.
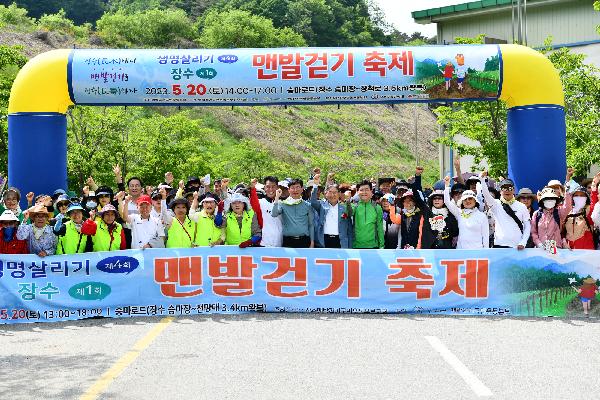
<point x="301" y="356"/>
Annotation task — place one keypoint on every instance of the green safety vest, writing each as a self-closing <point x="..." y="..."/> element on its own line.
<point x="102" y="240"/>
<point x="73" y="242"/>
<point x="206" y="230"/>
<point x="181" y="236"/>
<point x="235" y="235"/>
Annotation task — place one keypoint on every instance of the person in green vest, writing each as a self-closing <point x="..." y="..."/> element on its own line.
<point x="108" y="234"/>
<point x="207" y="232"/>
<point x="73" y="238"/>
<point x="368" y="220"/>
<point x="181" y="229"/>
<point x="240" y="222"/>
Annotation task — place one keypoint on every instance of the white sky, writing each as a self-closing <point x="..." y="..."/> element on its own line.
<point x="397" y="13"/>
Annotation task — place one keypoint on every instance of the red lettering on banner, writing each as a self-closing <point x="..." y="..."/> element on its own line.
<point x="411" y="268"/>
<point x="290" y="66"/>
<point x="269" y="66"/>
<point x="182" y="271"/>
<point x="318" y="71"/>
<point x="475" y="277"/>
<point x="269" y="62"/>
<point x="338" y="277"/>
<point x="348" y="58"/>
<point x="403" y="61"/>
<point x="284" y="266"/>
<point x="375" y="61"/>
<point x="232" y="277"/>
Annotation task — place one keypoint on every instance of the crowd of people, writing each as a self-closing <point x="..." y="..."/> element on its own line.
<point x="469" y="211"/>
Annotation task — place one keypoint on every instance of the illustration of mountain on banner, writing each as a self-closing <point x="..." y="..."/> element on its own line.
<point x="458" y="79"/>
<point x="539" y="286"/>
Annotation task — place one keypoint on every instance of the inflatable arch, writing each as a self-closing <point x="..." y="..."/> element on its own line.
<point x="51" y="82"/>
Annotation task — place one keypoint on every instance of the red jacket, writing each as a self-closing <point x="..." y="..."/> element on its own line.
<point x="15" y="246"/>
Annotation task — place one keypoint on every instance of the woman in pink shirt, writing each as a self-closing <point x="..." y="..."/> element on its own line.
<point x="546" y="223"/>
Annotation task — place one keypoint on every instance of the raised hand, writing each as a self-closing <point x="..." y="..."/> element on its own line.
<point x="225" y="182"/>
<point x="86" y="190"/>
<point x="93" y="215"/>
<point x="456" y="161"/>
<point x="30" y="197"/>
<point x="163" y="193"/>
<point x="278" y="193"/>
<point x="195" y="196"/>
<point x="90" y="181"/>
<point x="317" y="179"/>
<point x="120" y="196"/>
<point x="447" y="180"/>
<point x="419" y="170"/>
<point x="181" y="184"/>
<point x="570" y="172"/>
<point x="253" y="183"/>
<point x="596" y="179"/>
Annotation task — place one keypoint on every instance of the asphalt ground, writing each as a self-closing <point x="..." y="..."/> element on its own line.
<point x="301" y="356"/>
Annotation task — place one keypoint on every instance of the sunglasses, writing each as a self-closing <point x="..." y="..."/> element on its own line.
<point x="507" y="188"/>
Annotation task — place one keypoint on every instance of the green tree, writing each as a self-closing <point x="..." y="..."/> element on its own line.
<point x="60" y="23"/>
<point x="484" y="122"/>
<point x="79" y="11"/>
<point x="11" y="61"/>
<point x="151" y="28"/>
<point x="16" y="17"/>
<point x="581" y="86"/>
<point x="237" y="28"/>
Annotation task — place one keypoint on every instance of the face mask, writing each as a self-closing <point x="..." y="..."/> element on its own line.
<point x="408" y="211"/>
<point x="549" y="204"/>
<point x="468" y="211"/>
<point x="91" y="205"/>
<point x="8" y="232"/>
<point x="579" y="202"/>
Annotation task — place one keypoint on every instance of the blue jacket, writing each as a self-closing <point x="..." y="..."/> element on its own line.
<point x="344" y="224"/>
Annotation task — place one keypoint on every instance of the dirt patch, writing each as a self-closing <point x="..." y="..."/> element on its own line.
<point x="468" y="92"/>
<point x="575" y="308"/>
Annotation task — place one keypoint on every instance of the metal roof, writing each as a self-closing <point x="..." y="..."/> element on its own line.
<point x="429" y="14"/>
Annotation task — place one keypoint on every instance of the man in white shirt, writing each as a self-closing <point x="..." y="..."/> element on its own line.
<point x="513" y="222"/>
<point x="146" y="231"/>
<point x="272" y="227"/>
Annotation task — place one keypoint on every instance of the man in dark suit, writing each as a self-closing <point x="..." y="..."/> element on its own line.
<point x="335" y="218"/>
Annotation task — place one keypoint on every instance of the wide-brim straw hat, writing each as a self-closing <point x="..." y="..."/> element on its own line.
<point x="39" y="209"/>
<point x="525" y="192"/>
<point x="589" y="280"/>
